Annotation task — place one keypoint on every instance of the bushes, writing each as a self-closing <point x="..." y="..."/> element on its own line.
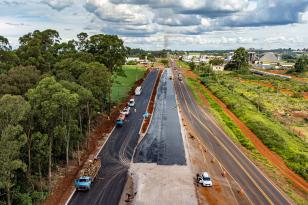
<point x="292" y="149"/>
<point x="193" y="84"/>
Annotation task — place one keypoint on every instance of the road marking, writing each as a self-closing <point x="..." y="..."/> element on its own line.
<point x="181" y="93"/>
<point x="287" y="199"/>
<point x="236" y="160"/>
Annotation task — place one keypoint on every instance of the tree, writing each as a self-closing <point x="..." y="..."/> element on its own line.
<point x="239" y="61"/>
<point x="4" y="44"/>
<point x="83" y="41"/>
<point x="216" y="61"/>
<point x="40" y="156"/>
<point x="51" y="106"/>
<point x="192" y="66"/>
<point x="18" y="80"/>
<point x="301" y="65"/>
<point x="8" y="58"/>
<point x="86" y="103"/>
<point x="109" y="50"/>
<point x="39" y="49"/>
<point x="69" y="69"/>
<point x="97" y="79"/>
<point x="13" y="109"/>
<point x="11" y="142"/>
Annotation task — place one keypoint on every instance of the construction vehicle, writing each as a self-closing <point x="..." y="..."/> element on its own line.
<point x="120" y="120"/>
<point x="87" y="175"/>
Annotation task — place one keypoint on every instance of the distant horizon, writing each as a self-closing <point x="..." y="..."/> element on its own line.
<point x="159" y="24"/>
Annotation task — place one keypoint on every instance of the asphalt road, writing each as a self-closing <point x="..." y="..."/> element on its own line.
<point x="117" y="154"/>
<point x="163" y="144"/>
<point x="257" y="187"/>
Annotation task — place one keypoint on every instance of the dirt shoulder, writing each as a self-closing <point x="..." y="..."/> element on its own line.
<point x="225" y="189"/>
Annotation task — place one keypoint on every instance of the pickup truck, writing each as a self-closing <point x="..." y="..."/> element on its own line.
<point x="87" y="175"/>
<point x="204" y="179"/>
<point x="125" y="111"/>
<point x="120" y="120"/>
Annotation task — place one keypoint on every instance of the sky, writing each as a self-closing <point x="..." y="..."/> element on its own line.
<point x="159" y="24"/>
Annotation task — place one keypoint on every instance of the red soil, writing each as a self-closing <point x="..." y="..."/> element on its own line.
<point x="264" y="150"/>
<point x="64" y="184"/>
<point x="150" y="108"/>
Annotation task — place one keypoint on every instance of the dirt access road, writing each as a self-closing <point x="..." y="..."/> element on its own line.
<point x="258" y="188"/>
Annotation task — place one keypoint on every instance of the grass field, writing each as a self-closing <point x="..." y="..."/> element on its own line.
<point x="122" y="85"/>
<point x="236" y="135"/>
<point x="266" y="111"/>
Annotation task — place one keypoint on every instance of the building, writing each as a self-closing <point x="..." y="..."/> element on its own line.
<point x="269" y="58"/>
<point x="128" y="59"/>
<point x="218" y="67"/>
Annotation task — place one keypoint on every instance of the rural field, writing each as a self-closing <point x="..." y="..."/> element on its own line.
<point x="274" y="109"/>
<point x="122" y="84"/>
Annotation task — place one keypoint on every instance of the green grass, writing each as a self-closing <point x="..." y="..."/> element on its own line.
<point x="182" y="64"/>
<point x="237" y="136"/>
<point x="122" y="85"/>
<point x="231" y="128"/>
<point x="273" y="134"/>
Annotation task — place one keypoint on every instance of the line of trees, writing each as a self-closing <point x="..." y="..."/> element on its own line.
<point x="49" y="93"/>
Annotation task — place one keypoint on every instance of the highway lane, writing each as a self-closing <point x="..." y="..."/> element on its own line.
<point x="163" y="144"/>
<point x="117" y="154"/>
<point x="257" y="187"/>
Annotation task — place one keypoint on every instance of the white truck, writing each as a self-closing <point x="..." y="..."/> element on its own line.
<point x="138" y="90"/>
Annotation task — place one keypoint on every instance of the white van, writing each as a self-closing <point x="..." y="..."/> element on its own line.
<point x="138" y="90"/>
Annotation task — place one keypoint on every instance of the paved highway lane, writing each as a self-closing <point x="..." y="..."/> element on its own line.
<point x="257" y="187"/>
<point x="163" y="144"/>
<point x="117" y="154"/>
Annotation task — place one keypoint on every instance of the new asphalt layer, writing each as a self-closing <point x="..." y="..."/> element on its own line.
<point x="163" y="144"/>
<point x="117" y="153"/>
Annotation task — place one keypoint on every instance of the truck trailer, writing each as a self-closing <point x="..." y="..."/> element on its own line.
<point x="87" y="175"/>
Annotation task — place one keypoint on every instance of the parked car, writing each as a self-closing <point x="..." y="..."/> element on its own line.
<point x="120" y="120"/>
<point x="204" y="179"/>
<point x="125" y="111"/>
<point x="131" y="102"/>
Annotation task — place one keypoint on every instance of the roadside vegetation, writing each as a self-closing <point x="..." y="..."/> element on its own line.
<point x="268" y="106"/>
<point x="256" y="114"/>
<point x="123" y="84"/>
<point x="50" y="92"/>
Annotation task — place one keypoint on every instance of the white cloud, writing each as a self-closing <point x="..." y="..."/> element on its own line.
<point x="189" y="24"/>
<point x="58" y="4"/>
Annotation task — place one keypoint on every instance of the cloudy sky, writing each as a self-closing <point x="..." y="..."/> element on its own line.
<point x="155" y="24"/>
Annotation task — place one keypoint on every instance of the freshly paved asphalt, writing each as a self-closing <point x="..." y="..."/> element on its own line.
<point x="256" y="186"/>
<point x="163" y="144"/>
<point x="117" y="154"/>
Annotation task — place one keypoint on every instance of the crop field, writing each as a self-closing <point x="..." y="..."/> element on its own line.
<point x="122" y="84"/>
<point x="276" y="110"/>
